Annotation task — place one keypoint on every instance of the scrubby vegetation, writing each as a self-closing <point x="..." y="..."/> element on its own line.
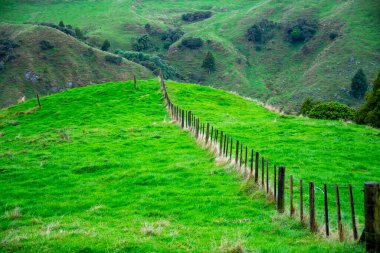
<point x="209" y="62"/>
<point x="46" y="45"/>
<point x="152" y="62"/>
<point x="192" y="43"/>
<point x="142" y="43"/>
<point x="114" y="59"/>
<point x="196" y="16"/>
<point x="359" y="85"/>
<point x="307" y="106"/>
<point x="7" y="52"/>
<point x="369" y="113"/>
<point x="301" y="30"/>
<point x="106" y="45"/>
<point x="262" y="31"/>
<point x="68" y="29"/>
<point x="332" y="111"/>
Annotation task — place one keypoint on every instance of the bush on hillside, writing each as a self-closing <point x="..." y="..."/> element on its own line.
<point x="307" y="106"/>
<point x="192" y="43"/>
<point x="262" y="31"/>
<point x="369" y="113"/>
<point x="301" y="30"/>
<point x="46" y="45"/>
<point x="106" y="45"/>
<point x="114" y="59"/>
<point x="142" y="43"/>
<point x="172" y="35"/>
<point x="359" y="85"/>
<point x="7" y="51"/>
<point x="152" y="62"/>
<point x="196" y="16"/>
<point x="332" y="111"/>
<point x="68" y="29"/>
<point x="209" y="62"/>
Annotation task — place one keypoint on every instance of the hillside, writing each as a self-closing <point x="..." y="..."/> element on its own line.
<point x="275" y="70"/>
<point x="102" y="168"/>
<point x="60" y="63"/>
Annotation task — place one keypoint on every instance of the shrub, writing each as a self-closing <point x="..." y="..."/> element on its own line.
<point x="142" y="43"/>
<point x="301" y="30"/>
<point x="7" y="52"/>
<point x="359" y="85"/>
<point x="172" y="35"/>
<point x="45" y="45"/>
<point x="106" y="45"/>
<point x="209" y="62"/>
<point x="79" y="34"/>
<point x="61" y="24"/>
<point x="192" y="43"/>
<point x="114" y="59"/>
<point x="152" y="62"/>
<point x="196" y="16"/>
<point x="307" y="106"/>
<point x="333" y="111"/>
<point x="369" y="113"/>
<point x="333" y="35"/>
<point x="262" y="31"/>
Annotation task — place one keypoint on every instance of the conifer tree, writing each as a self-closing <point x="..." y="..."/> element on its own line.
<point x="209" y="62"/>
<point x="359" y="85"/>
<point x="106" y="45"/>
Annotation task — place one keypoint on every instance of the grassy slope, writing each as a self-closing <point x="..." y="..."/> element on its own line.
<point x="56" y="67"/>
<point x="321" y="151"/>
<point x="95" y="164"/>
<point x="280" y="73"/>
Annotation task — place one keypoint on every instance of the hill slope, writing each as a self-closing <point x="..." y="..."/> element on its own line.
<point x="70" y="63"/>
<point x="279" y="72"/>
<point x="118" y="176"/>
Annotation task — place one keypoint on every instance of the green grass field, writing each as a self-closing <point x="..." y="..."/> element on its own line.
<point x="280" y="73"/>
<point x="102" y="168"/>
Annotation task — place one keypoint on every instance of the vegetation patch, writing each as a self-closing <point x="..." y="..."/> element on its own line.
<point x="301" y="30"/>
<point x="262" y="31"/>
<point x="196" y="16"/>
<point x="192" y="43"/>
<point x="332" y="111"/>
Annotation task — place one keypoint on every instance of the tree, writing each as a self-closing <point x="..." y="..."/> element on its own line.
<point x="359" y="85"/>
<point x="369" y="113"/>
<point x="106" y="45"/>
<point x="209" y="62"/>
<point x="61" y="24"/>
<point x="79" y="34"/>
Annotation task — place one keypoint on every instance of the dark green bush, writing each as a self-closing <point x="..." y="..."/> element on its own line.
<point x="196" y="16"/>
<point x="333" y="111"/>
<point x="142" y="43"/>
<point x="369" y="113"/>
<point x="7" y="52"/>
<point x="106" y="45"/>
<point x="114" y="59"/>
<point x="359" y="85"/>
<point x="192" y="43"/>
<point x="46" y="45"/>
<point x="301" y="30"/>
<point x="262" y="31"/>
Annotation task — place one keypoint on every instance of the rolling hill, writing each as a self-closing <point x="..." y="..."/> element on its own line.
<point x="103" y="168"/>
<point x="40" y="59"/>
<point x="275" y="71"/>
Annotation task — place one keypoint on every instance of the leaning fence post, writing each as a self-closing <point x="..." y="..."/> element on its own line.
<point x="135" y="82"/>
<point x="251" y="171"/>
<point x="281" y="189"/>
<point x="267" y="176"/>
<point x="354" y="228"/>
<point x="183" y="119"/>
<point x="262" y="171"/>
<point x="339" y="217"/>
<point x="241" y="153"/>
<point x="372" y="216"/>
<point x="38" y="99"/>
<point x="221" y="144"/>
<point x="313" y="225"/>
<point x="237" y="152"/>
<point x="246" y="158"/>
<point x="231" y="149"/>
<point x="207" y="132"/>
<point x="326" y="210"/>
<point x="226" y="146"/>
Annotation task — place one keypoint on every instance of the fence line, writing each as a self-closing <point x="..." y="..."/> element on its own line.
<point x="222" y="145"/>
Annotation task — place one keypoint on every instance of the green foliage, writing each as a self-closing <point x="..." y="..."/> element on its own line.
<point x="209" y="62"/>
<point x="106" y="45"/>
<point x="307" y="106"/>
<point x="301" y="30"/>
<point x="192" y="43"/>
<point x="46" y="45"/>
<point x="142" y="43"/>
<point x="196" y="16"/>
<point x="7" y="52"/>
<point x="114" y="59"/>
<point x="61" y="24"/>
<point x="262" y="31"/>
<point x="68" y="29"/>
<point x="172" y="35"/>
<point x="332" y="111"/>
<point x="359" y="85"/>
<point x="369" y="113"/>
<point x="79" y="33"/>
<point x="152" y="62"/>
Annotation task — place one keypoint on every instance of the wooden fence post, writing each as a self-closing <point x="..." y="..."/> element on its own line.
<point x="221" y="144"/>
<point x="216" y="137"/>
<point x="262" y="171"/>
<point x="135" y="82"/>
<point x="237" y="152"/>
<point x="183" y="119"/>
<point x="267" y="176"/>
<point x="231" y="148"/>
<point x="257" y="167"/>
<point x="246" y="158"/>
<point x="354" y="228"/>
<point x="291" y="196"/>
<point x="275" y="182"/>
<point x="301" y="201"/>
<point x="372" y="216"/>
<point x="313" y="225"/>
<point x="211" y="134"/>
<point x="251" y="171"/>
<point x="38" y="100"/>
<point x="207" y="132"/>
<point x="241" y="153"/>
<point x="281" y="190"/>
<point x="339" y="217"/>
<point x="327" y="227"/>
<point x="225" y="144"/>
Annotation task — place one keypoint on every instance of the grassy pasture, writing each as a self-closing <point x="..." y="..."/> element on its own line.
<point x="102" y="168"/>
